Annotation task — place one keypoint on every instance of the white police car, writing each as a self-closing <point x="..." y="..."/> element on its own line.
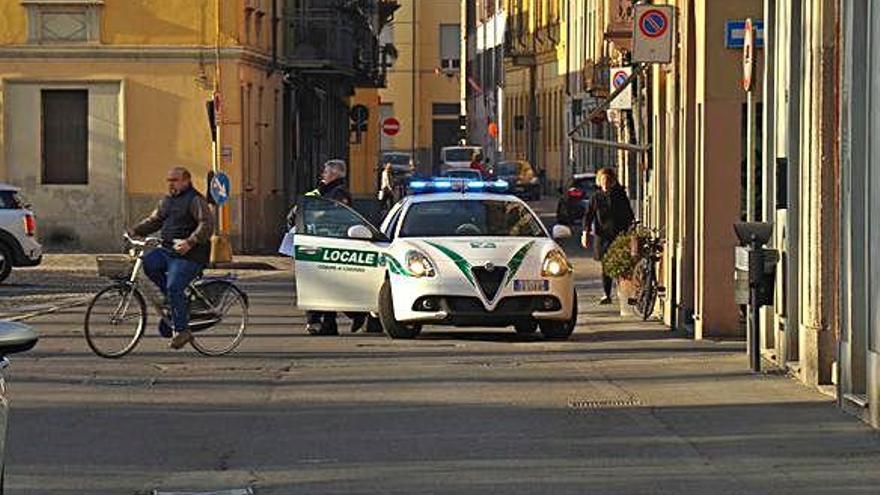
<point x="462" y="257"/>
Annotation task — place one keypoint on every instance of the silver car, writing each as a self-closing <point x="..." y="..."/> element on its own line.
<point x="14" y="337"/>
<point x="18" y="227"/>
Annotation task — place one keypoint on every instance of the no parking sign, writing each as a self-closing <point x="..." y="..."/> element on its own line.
<point x="623" y="101"/>
<point x="653" y="31"/>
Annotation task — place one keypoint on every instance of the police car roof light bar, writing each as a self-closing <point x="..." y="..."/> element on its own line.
<point x="447" y="184"/>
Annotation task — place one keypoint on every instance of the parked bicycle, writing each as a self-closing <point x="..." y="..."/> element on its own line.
<point x="645" y="275"/>
<point x="116" y="318"/>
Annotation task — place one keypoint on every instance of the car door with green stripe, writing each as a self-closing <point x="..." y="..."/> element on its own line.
<point x="338" y="257"/>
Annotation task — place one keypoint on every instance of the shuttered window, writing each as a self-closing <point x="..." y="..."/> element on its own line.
<point x="65" y="136"/>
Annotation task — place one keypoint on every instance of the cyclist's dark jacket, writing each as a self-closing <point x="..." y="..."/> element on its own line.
<point x="610" y="211"/>
<point x="184" y="216"/>
<point x="336" y="190"/>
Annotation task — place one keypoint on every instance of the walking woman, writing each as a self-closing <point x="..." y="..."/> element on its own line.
<point x="386" y="189"/>
<point x="608" y="215"/>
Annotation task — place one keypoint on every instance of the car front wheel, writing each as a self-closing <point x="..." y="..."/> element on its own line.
<point x="561" y="330"/>
<point x="394" y="328"/>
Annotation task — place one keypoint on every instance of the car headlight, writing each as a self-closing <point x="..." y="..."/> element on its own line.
<point x="555" y="264"/>
<point x="419" y="265"/>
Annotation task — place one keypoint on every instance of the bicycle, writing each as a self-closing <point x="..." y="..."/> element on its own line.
<point x="116" y="317"/>
<point x="645" y="275"/>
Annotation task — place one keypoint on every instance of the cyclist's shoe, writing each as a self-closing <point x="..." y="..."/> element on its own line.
<point x="605" y="300"/>
<point x="181" y="339"/>
<point x="165" y="329"/>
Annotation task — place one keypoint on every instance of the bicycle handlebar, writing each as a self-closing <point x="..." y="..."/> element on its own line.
<point x="147" y="242"/>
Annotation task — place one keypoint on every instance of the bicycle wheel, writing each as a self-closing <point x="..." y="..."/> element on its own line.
<point x="218" y="317"/>
<point x="648" y="295"/>
<point x="115" y="321"/>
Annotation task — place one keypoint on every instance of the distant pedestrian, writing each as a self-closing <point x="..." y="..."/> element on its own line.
<point x="477" y="163"/>
<point x="386" y="189"/>
<point x="608" y="215"/>
<point x="333" y="186"/>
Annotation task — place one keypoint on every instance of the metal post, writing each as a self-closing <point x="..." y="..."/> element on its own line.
<point x="750" y="156"/>
<point x="754" y="334"/>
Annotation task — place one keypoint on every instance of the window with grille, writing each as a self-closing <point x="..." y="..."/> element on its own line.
<point x="65" y="136"/>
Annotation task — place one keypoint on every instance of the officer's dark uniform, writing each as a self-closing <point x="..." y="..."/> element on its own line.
<point x="336" y="190"/>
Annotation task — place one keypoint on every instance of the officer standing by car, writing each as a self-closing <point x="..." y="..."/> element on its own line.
<point x="333" y="186"/>
<point x="611" y="215"/>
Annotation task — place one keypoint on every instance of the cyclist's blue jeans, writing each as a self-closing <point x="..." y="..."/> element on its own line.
<point x="172" y="274"/>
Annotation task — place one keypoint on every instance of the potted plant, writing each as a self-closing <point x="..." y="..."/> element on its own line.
<point x="619" y="262"/>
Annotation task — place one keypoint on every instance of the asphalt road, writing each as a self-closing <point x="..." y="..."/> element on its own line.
<point x="621" y="408"/>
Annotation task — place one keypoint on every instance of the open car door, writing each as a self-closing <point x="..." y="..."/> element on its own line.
<point x="339" y="258"/>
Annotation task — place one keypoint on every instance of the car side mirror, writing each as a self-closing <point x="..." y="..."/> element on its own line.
<point x="561" y="232"/>
<point x="16" y="337"/>
<point x="360" y="232"/>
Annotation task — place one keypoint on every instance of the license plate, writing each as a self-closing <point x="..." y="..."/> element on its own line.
<point x="531" y="285"/>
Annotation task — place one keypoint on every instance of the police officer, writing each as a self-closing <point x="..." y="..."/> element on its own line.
<point x="333" y="186"/>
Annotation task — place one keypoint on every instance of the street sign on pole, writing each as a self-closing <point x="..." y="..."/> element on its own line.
<point x="220" y="188"/>
<point x="390" y="126"/>
<point x="653" y="32"/>
<point x="735" y="31"/>
<point x="748" y="56"/>
<point x="619" y="77"/>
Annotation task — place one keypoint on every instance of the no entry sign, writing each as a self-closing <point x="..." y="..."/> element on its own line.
<point x="653" y="32"/>
<point x="390" y="126"/>
<point x="623" y="101"/>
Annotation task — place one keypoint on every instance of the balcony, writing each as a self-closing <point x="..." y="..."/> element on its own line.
<point x="339" y="37"/>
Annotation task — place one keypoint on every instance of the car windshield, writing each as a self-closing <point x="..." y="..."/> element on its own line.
<point x="9" y="200"/>
<point x="463" y="174"/>
<point x="459" y="154"/>
<point x="396" y="159"/>
<point x="507" y="168"/>
<point x="469" y="218"/>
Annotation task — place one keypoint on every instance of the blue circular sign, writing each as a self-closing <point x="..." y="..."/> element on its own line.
<point x="653" y="23"/>
<point x="620" y="78"/>
<point x="220" y="187"/>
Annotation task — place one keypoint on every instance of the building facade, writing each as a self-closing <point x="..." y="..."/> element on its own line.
<point x="101" y="97"/>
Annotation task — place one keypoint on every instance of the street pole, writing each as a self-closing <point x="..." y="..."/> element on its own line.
<point x="221" y="250"/>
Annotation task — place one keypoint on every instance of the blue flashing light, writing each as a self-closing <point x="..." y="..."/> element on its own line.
<point x="445" y="184"/>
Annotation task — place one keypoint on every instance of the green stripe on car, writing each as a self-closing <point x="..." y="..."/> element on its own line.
<point x="456" y="258"/>
<point x="516" y="262"/>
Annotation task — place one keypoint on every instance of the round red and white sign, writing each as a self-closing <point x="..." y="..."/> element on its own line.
<point x="748" y="56"/>
<point x="390" y="126"/>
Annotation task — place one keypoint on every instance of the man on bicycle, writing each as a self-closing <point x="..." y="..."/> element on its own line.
<point x="186" y="225"/>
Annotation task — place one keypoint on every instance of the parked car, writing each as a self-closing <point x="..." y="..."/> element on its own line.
<point x="14" y="337"/>
<point x="457" y="156"/>
<point x="18" y="229"/>
<point x="573" y="200"/>
<point x="521" y="177"/>
<point x="402" y="164"/>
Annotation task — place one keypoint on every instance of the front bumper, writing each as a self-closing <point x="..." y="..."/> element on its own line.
<point x="460" y="304"/>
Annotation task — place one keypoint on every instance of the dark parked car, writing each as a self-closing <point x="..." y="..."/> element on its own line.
<point x="14" y="337"/>
<point x="573" y="200"/>
<point x="521" y="177"/>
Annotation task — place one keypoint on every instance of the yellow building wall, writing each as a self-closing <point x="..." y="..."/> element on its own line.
<point x="162" y="103"/>
<point x="406" y="78"/>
